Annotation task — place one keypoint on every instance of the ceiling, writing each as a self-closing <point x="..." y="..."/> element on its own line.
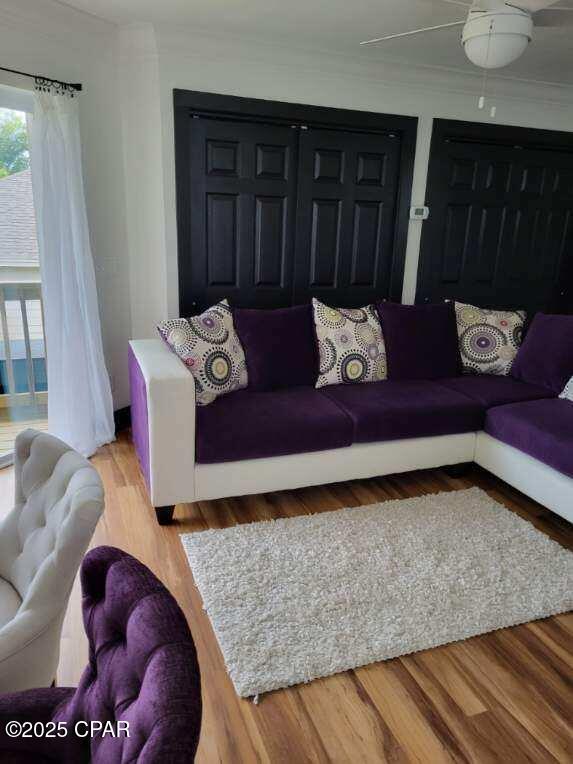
<point x="339" y="25"/>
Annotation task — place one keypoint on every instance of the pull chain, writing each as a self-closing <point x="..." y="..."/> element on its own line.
<point x="481" y="100"/>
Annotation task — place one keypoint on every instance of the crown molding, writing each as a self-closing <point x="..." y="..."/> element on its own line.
<point x="186" y="43"/>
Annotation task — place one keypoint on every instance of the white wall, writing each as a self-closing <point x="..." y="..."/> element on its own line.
<point x="143" y="163"/>
<point x="48" y="38"/>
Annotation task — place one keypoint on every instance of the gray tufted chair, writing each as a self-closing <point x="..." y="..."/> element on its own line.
<point x="59" y="500"/>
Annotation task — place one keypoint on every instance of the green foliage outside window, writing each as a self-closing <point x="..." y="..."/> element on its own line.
<point x="14" y="153"/>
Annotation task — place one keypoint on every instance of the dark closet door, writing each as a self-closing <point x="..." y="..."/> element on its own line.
<point x="241" y="196"/>
<point x="500" y="231"/>
<point x="548" y="178"/>
<point x="346" y="216"/>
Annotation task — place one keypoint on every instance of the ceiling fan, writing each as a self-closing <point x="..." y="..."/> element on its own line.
<point x="496" y="33"/>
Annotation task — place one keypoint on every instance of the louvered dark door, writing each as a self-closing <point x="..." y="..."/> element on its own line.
<point x="500" y="231"/>
<point x="346" y="215"/>
<point x="238" y="205"/>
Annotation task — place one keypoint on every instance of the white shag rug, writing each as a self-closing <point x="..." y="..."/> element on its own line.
<point x="299" y="598"/>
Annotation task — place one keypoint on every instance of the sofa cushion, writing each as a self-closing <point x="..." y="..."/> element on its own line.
<point x="489" y="339"/>
<point x="209" y="347"/>
<point x="279" y="346"/>
<point x="421" y="340"/>
<point x="546" y="356"/>
<point x="350" y="344"/>
<point x="250" y="425"/>
<point x="392" y="410"/>
<point x="543" y="429"/>
<point x="489" y="390"/>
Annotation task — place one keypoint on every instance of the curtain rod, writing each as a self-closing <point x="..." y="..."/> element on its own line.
<point x="41" y="79"/>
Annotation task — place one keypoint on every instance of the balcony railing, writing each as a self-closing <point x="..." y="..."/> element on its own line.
<point x="22" y="346"/>
<point x="23" y="384"/>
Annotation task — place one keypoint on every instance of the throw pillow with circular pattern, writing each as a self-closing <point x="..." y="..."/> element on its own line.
<point x="489" y="339"/>
<point x="567" y="393"/>
<point x="210" y="348"/>
<point x="350" y="344"/>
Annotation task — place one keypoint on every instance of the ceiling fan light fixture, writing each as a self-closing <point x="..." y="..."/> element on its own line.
<point x="502" y="51"/>
<point x="493" y="40"/>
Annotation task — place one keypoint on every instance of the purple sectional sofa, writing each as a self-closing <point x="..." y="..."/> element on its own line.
<point x="142" y="672"/>
<point x="268" y="437"/>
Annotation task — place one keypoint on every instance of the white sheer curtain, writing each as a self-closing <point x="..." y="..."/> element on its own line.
<point x="80" y="409"/>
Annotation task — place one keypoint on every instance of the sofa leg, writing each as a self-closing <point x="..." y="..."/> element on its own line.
<point x="458" y="470"/>
<point x="164" y="514"/>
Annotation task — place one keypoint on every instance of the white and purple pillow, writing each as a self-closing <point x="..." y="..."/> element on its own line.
<point x="210" y="348"/>
<point x="350" y="345"/>
<point x="568" y="391"/>
<point x="488" y="339"/>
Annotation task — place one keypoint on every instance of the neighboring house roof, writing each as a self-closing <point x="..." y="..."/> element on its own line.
<point x="18" y="243"/>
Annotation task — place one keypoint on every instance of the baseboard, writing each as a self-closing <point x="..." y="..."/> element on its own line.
<point x="122" y="418"/>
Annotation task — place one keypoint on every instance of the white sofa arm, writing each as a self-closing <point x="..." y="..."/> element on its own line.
<point x="163" y="421"/>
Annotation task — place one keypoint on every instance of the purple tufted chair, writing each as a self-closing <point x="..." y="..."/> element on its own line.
<point x="142" y="670"/>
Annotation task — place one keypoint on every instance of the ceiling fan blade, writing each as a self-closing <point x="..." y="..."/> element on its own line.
<point x="412" y="32"/>
<point x="553" y="17"/>
<point x="488" y="5"/>
<point x="478" y="5"/>
<point x="532" y="5"/>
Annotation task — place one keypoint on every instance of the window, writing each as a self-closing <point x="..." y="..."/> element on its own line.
<point x="23" y="385"/>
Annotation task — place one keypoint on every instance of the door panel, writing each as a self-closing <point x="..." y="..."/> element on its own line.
<point x="346" y="211"/>
<point x="270" y="239"/>
<point x="499" y="232"/>
<point x="241" y="208"/>
<point x="325" y="242"/>
<point x="367" y="229"/>
<point x="222" y="239"/>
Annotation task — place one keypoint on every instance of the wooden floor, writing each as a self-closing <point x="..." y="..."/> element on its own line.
<point x="501" y="697"/>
